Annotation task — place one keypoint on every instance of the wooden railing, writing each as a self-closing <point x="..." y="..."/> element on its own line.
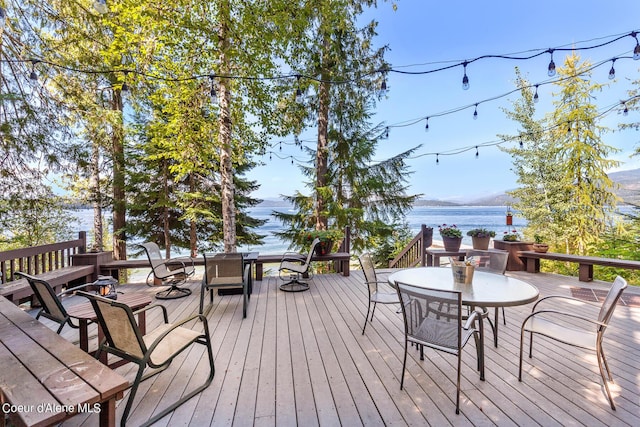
<point x="40" y="259"/>
<point x="414" y="254"/>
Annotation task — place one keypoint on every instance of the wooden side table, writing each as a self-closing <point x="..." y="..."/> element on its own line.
<point x="434" y="255"/>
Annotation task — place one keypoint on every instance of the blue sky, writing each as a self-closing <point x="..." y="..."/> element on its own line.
<point x="424" y="35"/>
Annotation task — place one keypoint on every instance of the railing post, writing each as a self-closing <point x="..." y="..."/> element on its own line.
<point x="82" y="235"/>
<point x="423" y="254"/>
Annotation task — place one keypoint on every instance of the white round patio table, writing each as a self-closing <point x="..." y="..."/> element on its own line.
<point x="486" y="289"/>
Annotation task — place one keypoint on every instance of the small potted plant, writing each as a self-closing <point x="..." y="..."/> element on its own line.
<point x="539" y="245"/>
<point x="451" y="237"/>
<point x="327" y="239"/>
<point x="511" y="236"/>
<point x="480" y="237"/>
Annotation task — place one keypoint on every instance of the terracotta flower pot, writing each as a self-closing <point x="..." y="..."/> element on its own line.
<point x="481" y="243"/>
<point x="540" y="247"/>
<point x="451" y="244"/>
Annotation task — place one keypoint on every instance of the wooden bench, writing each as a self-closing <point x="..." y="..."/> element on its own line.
<point x="340" y="259"/>
<point x="52" y="262"/>
<point x="585" y="263"/>
<point x="45" y="379"/>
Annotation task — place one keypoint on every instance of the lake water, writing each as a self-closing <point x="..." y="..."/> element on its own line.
<point x="464" y="217"/>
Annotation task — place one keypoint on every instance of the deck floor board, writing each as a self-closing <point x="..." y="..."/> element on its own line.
<point x="301" y="359"/>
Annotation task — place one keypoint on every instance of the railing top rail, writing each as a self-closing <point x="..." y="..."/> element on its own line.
<point x="43" y="249"/>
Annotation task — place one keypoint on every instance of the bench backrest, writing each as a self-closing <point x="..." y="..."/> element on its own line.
<point x="40" y="259"/>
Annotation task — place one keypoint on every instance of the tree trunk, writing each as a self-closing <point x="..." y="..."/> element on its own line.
<point x="224" y="139"/>
<point x="119" y="203"/>
<point x="166" y="231"/>
<point x="193" y="237"/>
<point x="96" y="198"/>
<point x="322" y="152"/>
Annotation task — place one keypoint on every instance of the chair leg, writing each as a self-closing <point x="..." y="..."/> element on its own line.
<point x="404" y="363"/>
<point x="458" y="382"/>
<point x="366" y="317"/>
<point x="521" y="351"/>
<point x="504" y="317"/>
<point x="601" y="360"/>
<point x="174" y="292"/>
<point x="132" y="395"/>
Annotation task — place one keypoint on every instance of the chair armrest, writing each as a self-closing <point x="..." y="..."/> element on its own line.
<point x="564" y="313"/>
<point x="75" y="288"/>
<point x="149" y="307"/>
<point x="293" y="256"/>
<point x="475" y="315"/>
<point x="247" y="272"/>
<point x="562" y="297"/>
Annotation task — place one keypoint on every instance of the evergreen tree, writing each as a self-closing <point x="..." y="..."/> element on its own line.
<point x="562" y="167"/>
<point x="346" y="187"/>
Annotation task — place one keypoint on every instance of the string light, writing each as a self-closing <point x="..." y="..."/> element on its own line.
<point x="33" y="76"/>
<point x="299" y="96"/>
<point x="437" y="159"/>
<point x="477" y="153"/>
<point x="568" y="127"/>
<point x="625" y="112"/>
<point x="535" y="95"/>
<point x="636" y="50"/>
<point x="101" y="6"/>
<point x="426" y="126"/>
<point x="386" y="133"/>
<point x="521" y="143"/>
<point x="552" y="65"/>
<point x="383" y="86"/>
<point x="214" y="95"/>
<point x="465" y="79"/>
<point x="125" y="87"/>
<point x="612" y="71"/>
<point x="475" y="113"/>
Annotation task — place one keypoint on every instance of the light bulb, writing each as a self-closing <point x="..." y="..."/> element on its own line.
<point x="535" y="95"/>
<point x="299" y="96"/>
<point x="101" y="6"/>
<point x="465" y="79"/>
<point x="625" y="112"/>
<point x="33" y="76"/>
<point x="437" y="159"/>
<point x="636" y="51"/>
<point x="475" y="113"/>
<point x="477" y="153"/>
<point x="386" y="133"/>
<point x="3" y="18"/>
<point x="426" y="126"/>
<point x="612" y="71"/>
<point x="383" y="88"/>
<point x="552" y="68"/>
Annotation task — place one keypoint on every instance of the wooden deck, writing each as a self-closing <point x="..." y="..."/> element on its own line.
<point x="300" y="359"/>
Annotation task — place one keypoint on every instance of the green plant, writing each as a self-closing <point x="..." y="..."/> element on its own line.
<point x="538" y="238"/>
<point x="331" y="235"/>
<point x="511" y="236"/>
<point x="450" y="231"/>
<point x="481" y="232"/>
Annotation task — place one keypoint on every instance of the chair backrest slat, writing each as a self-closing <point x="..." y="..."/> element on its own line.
<point x="46" y="297"/>
<point x="492" y="261"/>
<point x="369" y="271"/>
<point x="119" y="325"/>
<point x="432" y="316"/>
<point x="610" y="301"/>
<point x="224" y="265"/>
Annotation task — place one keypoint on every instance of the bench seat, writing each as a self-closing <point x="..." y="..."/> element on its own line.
<point x="19" y="290"/>
<point x="585" y="263"/>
